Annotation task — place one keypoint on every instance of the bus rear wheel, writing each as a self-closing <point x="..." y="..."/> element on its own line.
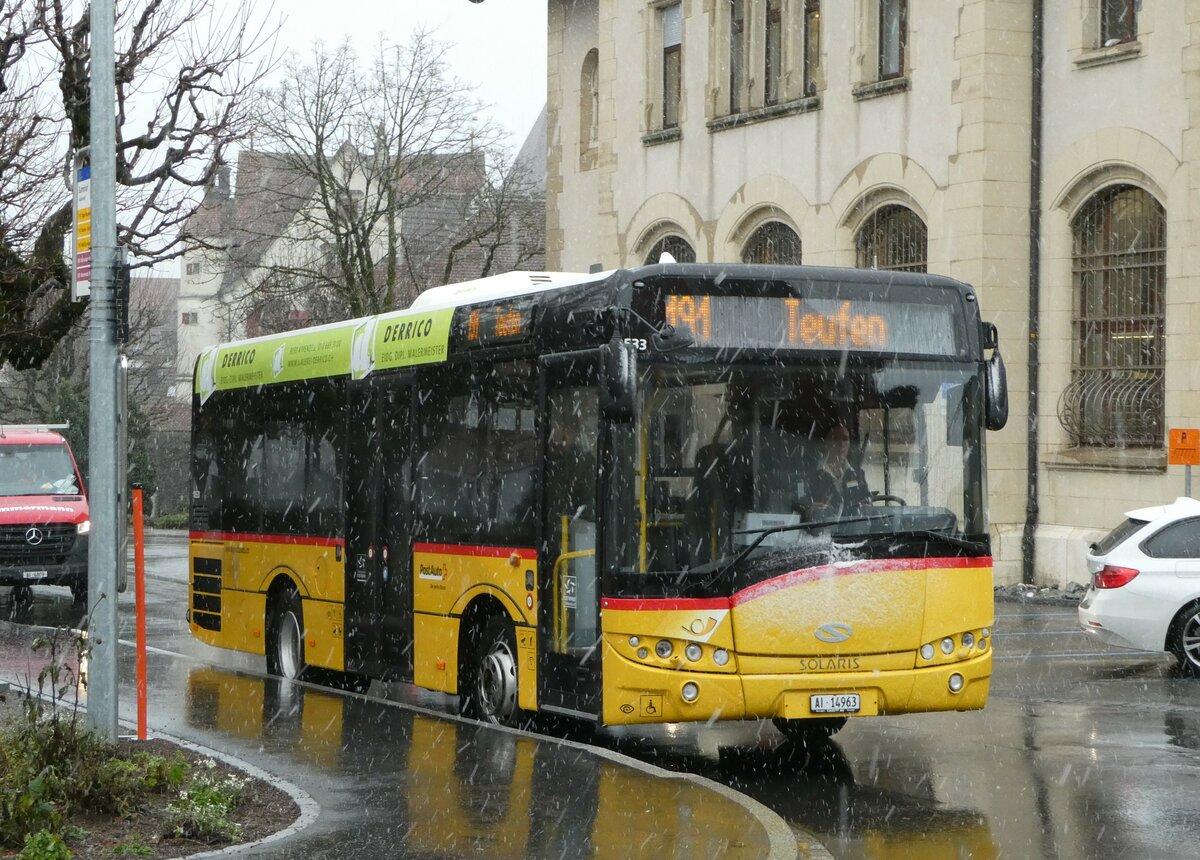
<point x="489" y="690"/>
<point x="809" y="732"/>
<point x="285" y="637"/>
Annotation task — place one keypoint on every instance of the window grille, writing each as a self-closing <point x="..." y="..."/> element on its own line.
<point x="894" y="239"/>
<point x="773" y="243"/>
<point x="677" y="246"/>
<point x="1116" y="394"/>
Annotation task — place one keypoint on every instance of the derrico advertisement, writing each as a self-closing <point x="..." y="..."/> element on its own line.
<point x="356" y="347"/>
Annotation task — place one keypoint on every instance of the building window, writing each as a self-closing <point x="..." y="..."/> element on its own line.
<point x="737" y="54"/>
<point x="189" y="318"/>
<point x="672" y="63"/>
<point x="1115" y="397"/>
<point x="1118" y="22"/>
<point x="893" y="239"/>
<point x="893" y="37"/>
<point x="773" y="49"/>
<point x="773" y="243"/>
<point x="589" y="101"/>
<point x="193" y="268"/>
<point x="812" y="46"/>
<point x="677" y="246"/>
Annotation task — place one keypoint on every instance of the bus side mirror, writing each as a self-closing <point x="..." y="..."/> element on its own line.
<point x="995" y="391"/>
<point x="618" y="385"/>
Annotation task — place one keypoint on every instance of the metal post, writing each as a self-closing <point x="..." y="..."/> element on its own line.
<point x="139" y="588"/>
<point x="1187" y="481"/>
<point x="102" y="420"/>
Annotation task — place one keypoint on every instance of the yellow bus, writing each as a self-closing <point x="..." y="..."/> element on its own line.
<point x="672" y="493"/>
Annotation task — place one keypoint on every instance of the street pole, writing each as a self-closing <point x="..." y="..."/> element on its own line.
<point x="102" y="418"/>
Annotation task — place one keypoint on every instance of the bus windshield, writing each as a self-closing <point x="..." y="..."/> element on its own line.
<point x="848" y="454"/>
<point x="36" y="470"/>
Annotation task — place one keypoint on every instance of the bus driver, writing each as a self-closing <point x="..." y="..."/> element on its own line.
<point x="839" y="487"/>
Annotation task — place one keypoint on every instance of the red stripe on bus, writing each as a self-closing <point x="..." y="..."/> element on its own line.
<point x="476" y="551"/>
<point x="649" y="604"/>
<point x="851" y="568"/>
<point x="302" y="540"/>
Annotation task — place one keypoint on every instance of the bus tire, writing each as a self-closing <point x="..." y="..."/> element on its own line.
<point x="489" y="690"/>
<point x="809" y="732"/>
<point x="285" y="636"/>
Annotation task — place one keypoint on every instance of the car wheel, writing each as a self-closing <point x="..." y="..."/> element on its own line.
<point x="809" y="732"/>
<point x="1184" y="638"/>
<point x="285" y="641"/>
<point x="489" y="690"/>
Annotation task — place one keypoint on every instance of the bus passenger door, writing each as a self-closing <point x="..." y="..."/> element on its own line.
<point x="362" y="495"/>
<point x="394" y="526"/>
<point x="378" y="553"/>
<point x="569" y="623"/>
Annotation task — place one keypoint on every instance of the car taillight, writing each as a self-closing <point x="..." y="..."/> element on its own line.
<point x="1113" y="577"/>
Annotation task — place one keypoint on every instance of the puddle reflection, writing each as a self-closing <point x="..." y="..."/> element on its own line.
<point x="459" y="790"/>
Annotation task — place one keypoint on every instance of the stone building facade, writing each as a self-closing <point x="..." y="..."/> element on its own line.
<point x="934" y="137"/>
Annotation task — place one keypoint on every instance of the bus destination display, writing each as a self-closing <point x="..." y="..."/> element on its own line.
<point x="753" y="322"/>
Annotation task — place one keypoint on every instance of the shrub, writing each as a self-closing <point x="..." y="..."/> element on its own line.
<point x="171" y="521"/>
<point x="45" y="845"/>
<point x="202" y="810"/>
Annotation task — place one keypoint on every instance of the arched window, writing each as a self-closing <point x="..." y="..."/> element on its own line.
<point x="589" y="101"/>
<point x="1115" y="398"/>
<point x="894" y="239"/>
<point x="773" y="243"/>
<point x="677" y="246"/>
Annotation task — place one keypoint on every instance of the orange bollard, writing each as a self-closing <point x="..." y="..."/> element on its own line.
<point x="139" y="588"/>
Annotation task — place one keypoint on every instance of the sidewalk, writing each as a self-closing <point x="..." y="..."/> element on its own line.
<point x="390" y="780"/>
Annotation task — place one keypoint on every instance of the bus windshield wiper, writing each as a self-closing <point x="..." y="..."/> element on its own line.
<point x="953" y="540"/>
<point x="765" y="533"/>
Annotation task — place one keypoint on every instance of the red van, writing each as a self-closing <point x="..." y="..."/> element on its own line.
<point x="44" y="520"/>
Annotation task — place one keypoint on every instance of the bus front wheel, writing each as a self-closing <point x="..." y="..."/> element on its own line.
<point x="809" y="732"/>
<point x="285" y="639"/>
<point x="489" y="690"/>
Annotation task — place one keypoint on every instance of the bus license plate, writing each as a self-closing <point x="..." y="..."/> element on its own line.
<point x="35" y="574"/>
<point x="841" y="703"/>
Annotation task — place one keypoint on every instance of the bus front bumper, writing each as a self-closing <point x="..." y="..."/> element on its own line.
<point x="635" y="693"/>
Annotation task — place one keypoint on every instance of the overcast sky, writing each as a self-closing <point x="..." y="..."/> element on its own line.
<point x="499" y="45"/>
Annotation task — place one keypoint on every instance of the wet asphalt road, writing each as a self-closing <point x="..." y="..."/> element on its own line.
<point x="1082" y="752"/>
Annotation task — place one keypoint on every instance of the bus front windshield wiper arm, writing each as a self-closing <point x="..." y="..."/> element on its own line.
<point x="953" y="540"/>
<point x="765" y="533"/>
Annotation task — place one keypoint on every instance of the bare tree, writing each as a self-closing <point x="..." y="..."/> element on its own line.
<point x="394" y="186"/>
<point x="183" y="76"/>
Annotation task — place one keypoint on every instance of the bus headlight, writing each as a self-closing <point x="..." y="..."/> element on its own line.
<point x="947" y="645"/>
<point x="968" y="640"/>
<point x="927" y="651"/>
<point x="693" y="652"/>
<point x="663" y="648"/>
<point x="634" y="642"/>
<point x="721" y="657"/>
<point x="690" y="692"/>
<point x="956" y="683"/>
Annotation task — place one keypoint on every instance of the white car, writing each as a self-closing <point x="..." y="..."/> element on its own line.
<point x="1145" y="591"/>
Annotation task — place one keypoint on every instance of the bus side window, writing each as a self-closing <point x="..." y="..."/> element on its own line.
<point x="447" y="463"/>
<point x="323" y="485"/>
